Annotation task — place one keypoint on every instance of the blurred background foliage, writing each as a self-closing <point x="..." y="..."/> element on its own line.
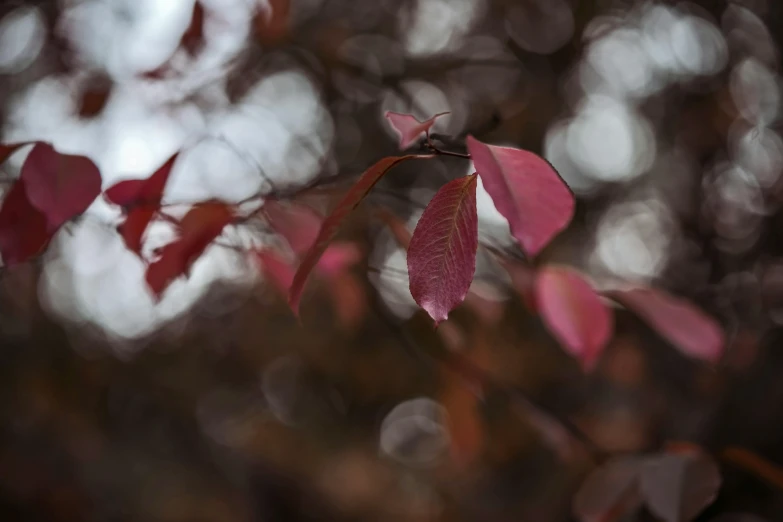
<point x="663" y="117"/>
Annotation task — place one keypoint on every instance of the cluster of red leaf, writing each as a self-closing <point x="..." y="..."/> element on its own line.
<point x="529" y="193"/>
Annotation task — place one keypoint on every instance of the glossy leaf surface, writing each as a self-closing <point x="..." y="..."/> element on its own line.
<point x="526" y="190"/>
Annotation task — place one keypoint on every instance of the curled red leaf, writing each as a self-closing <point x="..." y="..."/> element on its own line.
<point x="442" y="251"/>
<point x="60" y="186"/>
<point x="332" y="223"/>
<point x="198" y="228"/>
<point x="573" y="312"/>
<point x="526" y="190"/>
<point x="409" y="128"/>
<point x="689" y="329"/>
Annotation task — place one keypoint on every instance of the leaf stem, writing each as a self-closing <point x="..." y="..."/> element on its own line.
<point x="436" y="150"/>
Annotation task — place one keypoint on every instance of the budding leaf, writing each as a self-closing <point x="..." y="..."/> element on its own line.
<point x="442" y="251"/>
<point x="409" y="128"/>
<point x="526" y="190"/>
<point x="689" y="329"/>
<point x="573" y="312"/>
<point x="332" y="223"/>
<point x="60" y="186"/>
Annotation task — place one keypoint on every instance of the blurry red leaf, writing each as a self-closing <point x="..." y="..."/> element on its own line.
<point x="349" y="299"/>
<point x="409" y="128"/>
<point x="677" y="487"/>
<point x="193" y="37"/>
<point x="442" y="253"/>
<point x="24" y="230"/>
<point x="133" y="228"/>
<point x="755" y="464"/>
<point x="331" y="224"/>
<point x="277" y="270"/>
<point x="61" y="186"/>
<point x="339" y="257"/>
<point x="201" y="225"/>
<point x="526" y="190"/>
<point x="141" y="192"/>
<point x="464" y="422"/>
<point x="610" y="492"/>
<point x="7" y="150"/>
<point x="94" y="97"/>
<point x="271" y="24"/>
<point x="397" y="226"/>
<point x="573" y="312"/>
<point x="689" y="329"/>
<point x="523" y="278"/>
<point x="297" y="224"/>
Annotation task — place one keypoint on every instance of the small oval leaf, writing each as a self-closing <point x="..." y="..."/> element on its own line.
<point x="526" y="190"/>
<point x="573" y="312"/>
<point x="678" y="486"/>
<point x="332" y="223"/>
<point x="689" y="329"/>
<point x="409" y="128"/>
<point x="442" y="252"/>
<point x="610" y="492"/>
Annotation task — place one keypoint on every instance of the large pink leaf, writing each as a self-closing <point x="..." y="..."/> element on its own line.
<point x="442" y="252"/>
<point x="332" y="223"/>
<point x="573" y="312"/>
<point x="681" y="323"/>
<point x="24" y="230"/>
<point x="201" y="225"/>
<point x="526" y="190"/>
<point x="61" y="186"/>
<point x="409" y="128"/>
<point x="296" y="223"/>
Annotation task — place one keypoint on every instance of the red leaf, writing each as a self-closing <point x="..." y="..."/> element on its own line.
<point x="677" y="487"/>
<point x="279" y="271"/>
<point x="24" y="230"/>
<point x="409" y="128"/>
<point x="141" y="192"/>
<point x="338" y="258"/>
<point x="682" y="324"/>
<point x="442" y="253"/>
<point x="94" y="96"/>
<point x="349" y="299"/>
<point x="272" y="26"/>
<point x="201" y="225"/>
<point x="573" y="312"/>
<point x="7" y="150"/>
<point x="61" y="186"/>
<point x="298" y="224"/>
<point x="331" y="225"/>
<point x="610" y="492"/>
<point x="526" y="190"/>
<point x="193" y="37"/>
<point x="133" y="228"/>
